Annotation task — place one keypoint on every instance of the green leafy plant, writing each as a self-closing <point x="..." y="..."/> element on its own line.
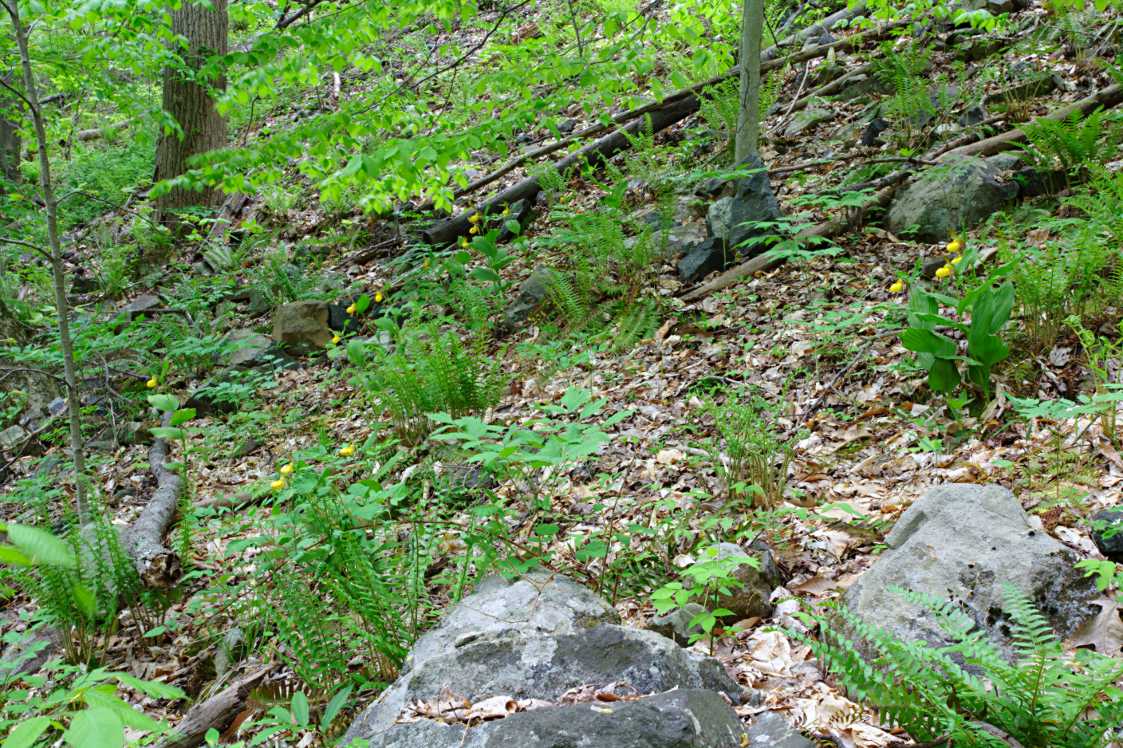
<point x="749" y="455"/>
<point x="705" y="581"/>
<point x="428" y="372"/>
<point x="989" y="309"/>
<point x="968" y="693"/>
<point x="84" y="709"/>
<point x="1074" y="145"/>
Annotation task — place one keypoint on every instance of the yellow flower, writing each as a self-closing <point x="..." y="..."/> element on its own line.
<point x="287" y="469"/>
<point x="506" y="211"/>
<point x="897" y="287"/>
<point x="151" y="383"/>
<point x="352" y="309"/>
<point x="474" y="218"/>
<point x="377" y="297"/>
<point x="474" y="230"/>
<point x="347" y="451"/>
<point x="425" y="264"/>
<point x="955" y="246"/>
<point x="943" y="272"/>
<point x="278" y="484"/>
<point x="335" y="339"/>
<point x="957" y="259"/>
<point x="463" y="241"/>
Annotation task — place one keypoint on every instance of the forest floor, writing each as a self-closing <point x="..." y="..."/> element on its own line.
<point x="817" y="338"/>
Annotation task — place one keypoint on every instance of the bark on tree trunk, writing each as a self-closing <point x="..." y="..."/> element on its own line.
<point x="10" y="144"/>
<point x="748" y="115"/>
<point x="189" y="103"/>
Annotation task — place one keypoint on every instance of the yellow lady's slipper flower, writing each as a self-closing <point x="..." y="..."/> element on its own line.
<point x="464" y="241"/>
<point x="943" y="272"/>
<point x="506" y="211"/>
<point x="377" y="297"/>
<point x="474" y="230"/>
<point x="347" y="451"/>
<point x="955" y="246"/>
<point x="425" y="264"/>
<point x="287" y="469"/>
<point x="897" y="287"/>
<point x="152" y="383"/>
<point x="335" y="339"/>
<point x="957" y="259"/>
<point x="278" y="484"/>
<point x="352" y="309"/>
<point x="474" y="218"/>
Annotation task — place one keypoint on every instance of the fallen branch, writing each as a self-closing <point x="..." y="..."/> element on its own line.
<point x="217" y="712"/>
<point x="157" y="565"/>
<point x="769" y="63"/>
<point x="1106" y="98"/>
<point x="447" y="231"/>
<point x="888" y="185"/>
<point x="825" y="229"/>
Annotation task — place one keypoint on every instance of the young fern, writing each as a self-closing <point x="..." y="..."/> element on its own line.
<point x="1039" y="698"/>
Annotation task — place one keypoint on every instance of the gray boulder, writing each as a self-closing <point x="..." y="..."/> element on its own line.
<point x="966" y="543"/>
<point x="955" y="196"/>
<point x="806" y="119"/>
<point x="302" y="326"/>
<point x="687" y="718"/>
<point x="1112" y="523"/>
<point x="531" y="294"/>
<point x="249" y="347"/>
<point x="770" y="730"/>
<point x="703" y="258"/>
<point x="752" y="201"/>
<point x="535" y="638"/>
<point x="676" y="624"/>
<point x="751" y="600"/>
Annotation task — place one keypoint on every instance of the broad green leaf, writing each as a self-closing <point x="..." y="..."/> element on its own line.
<point x="26" y="733"/>
<point x="130" y="717"/>
<point x="925" y="341"/>
<point x="163" y="402"/>
<point x="168" y="432"/>
<point x="155" y="689"/>
<point x="182" y="416"/>
<point x="334" y="707"/>
<point x="42" y="547"/>
<point x="95" y="728"/>
<point x="300" y="708"/>
<point x="943" y="376"/>
<point x="9" y="554"/>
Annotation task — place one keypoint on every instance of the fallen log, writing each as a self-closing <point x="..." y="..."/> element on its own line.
<point x="447" y="231"/>
<point x="767" y="56"/>
<point x="888" y="185"/>
<point x="143" y="540"/>
<point x="216" y="712"/>
<point x="1106" y="98"/>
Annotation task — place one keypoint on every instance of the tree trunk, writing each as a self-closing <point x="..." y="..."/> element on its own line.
<point x="748" y="115"/>
<point x="58" y="272"/>
<point x="189" y="103"/>
<point x="9" y="135"/>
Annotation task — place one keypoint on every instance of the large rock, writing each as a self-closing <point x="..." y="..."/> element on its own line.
<point x="302" y="326"/>
<point x="966" y="543"/>
<point x="1105" y="523"/>
<point x="687" y="718"/>
<point x="530" y="297"/>
<point x="536" y="638"/>
<point x="949" y="198"/>
<point x="751" y="599"/>
<point x="752" y="201"/>
<point x="703" y="258"/>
